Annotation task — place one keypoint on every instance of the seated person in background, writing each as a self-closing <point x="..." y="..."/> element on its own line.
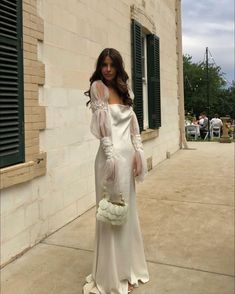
<point x="204" y="125"/>
<point x="194" y="121"/>
<point x="196" y="125"/>
<point x="201" y="119"/>
<point x="216" y="121"/>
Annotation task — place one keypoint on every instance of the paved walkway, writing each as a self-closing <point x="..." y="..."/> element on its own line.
<point x="186" y="208"/>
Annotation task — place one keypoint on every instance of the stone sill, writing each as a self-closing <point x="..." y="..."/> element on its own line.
<point x="23" y="172"/>
<point x="149" y="134"/>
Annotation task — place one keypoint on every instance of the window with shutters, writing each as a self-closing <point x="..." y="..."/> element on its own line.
<point x="11" y="84"/>
<point x="146" y="77"/>
<point x="145" y="81"/>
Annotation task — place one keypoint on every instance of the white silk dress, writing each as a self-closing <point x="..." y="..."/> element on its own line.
<point x="119" y="253"/>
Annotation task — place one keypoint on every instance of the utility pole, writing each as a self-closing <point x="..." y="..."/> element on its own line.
<point x="208" y="92"/>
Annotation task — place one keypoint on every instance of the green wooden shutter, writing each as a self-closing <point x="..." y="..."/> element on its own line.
<point x="11" y="83"/>
<point x="154" y="93"/>
<point x="137" y="71"/>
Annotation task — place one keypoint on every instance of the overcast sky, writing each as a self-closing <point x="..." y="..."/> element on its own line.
<point x="210" y="23"/>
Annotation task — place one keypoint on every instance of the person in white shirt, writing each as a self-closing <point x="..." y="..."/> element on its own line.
<point x="216" y="125"/>
<point x="200" y="120"/>
<point x="216" y="121"/>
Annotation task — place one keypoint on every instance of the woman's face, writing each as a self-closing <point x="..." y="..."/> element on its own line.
<point x="108" y="70"/>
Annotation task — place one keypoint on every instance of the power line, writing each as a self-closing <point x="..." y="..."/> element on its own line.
<point x="203" y="65"/>
<point x="211" y="56"/>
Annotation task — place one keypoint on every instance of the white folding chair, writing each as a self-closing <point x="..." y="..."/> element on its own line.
<point x="191" y="131"/>
<point x="215" y="131"/>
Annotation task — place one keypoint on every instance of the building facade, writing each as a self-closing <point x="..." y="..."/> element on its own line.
<point x="49" y="49"/>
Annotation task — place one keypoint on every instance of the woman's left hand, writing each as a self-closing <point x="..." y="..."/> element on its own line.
<point x="136" y="165"/>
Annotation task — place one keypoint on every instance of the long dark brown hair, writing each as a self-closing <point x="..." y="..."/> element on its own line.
<point x="119" y="84"/>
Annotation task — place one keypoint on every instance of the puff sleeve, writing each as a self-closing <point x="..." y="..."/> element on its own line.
<point x="139" y="159"/>
<point x="101" y="127"/>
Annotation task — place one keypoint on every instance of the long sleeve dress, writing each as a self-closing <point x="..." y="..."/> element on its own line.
<point x="119" y="253"/>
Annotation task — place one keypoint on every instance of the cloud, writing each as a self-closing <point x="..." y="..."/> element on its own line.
<point x="210" y="24"/>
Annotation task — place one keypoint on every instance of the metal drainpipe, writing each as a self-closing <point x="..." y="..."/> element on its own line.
<point x="182" y="140"/>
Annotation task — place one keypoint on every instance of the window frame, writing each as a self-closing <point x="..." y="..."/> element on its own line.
<point x="153" y="76"/>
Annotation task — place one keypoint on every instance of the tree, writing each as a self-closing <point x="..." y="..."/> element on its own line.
<point x="222" y="100"/>
<point x="226" y="102"/>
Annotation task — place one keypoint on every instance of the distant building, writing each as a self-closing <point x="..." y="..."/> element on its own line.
<point x="49" y="49"/>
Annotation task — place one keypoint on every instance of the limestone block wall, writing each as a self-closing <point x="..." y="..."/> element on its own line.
<point x="75" y="32"/>
<point x="20" y="217"/>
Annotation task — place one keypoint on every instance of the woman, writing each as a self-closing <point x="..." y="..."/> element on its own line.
<point x="119" y="261"/>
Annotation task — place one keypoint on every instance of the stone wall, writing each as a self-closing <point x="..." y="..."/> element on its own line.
<point x="19" y="202"/>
